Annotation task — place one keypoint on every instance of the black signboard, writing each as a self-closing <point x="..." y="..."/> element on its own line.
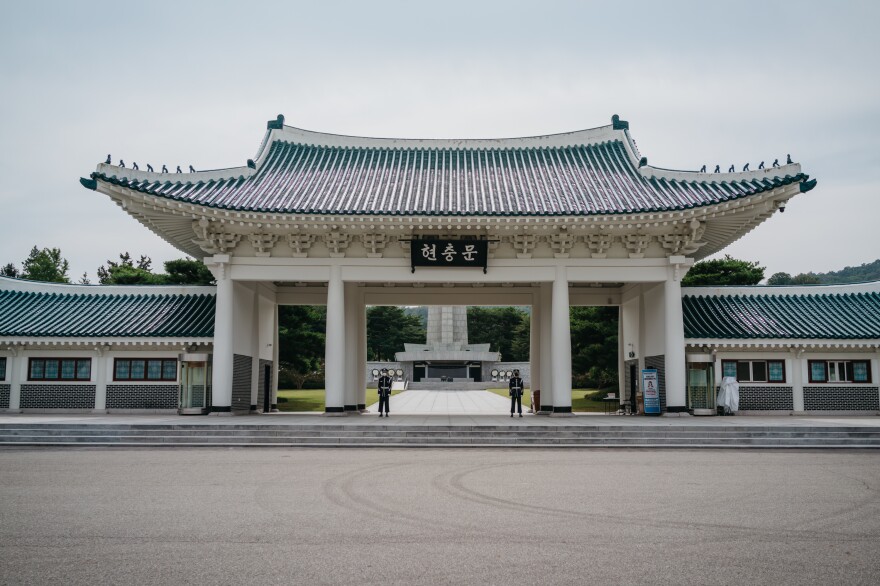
<point x="449" y="253"/>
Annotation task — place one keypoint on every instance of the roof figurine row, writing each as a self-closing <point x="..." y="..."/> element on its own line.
<point x="135" y="167"/>
<point x="732" y="169"/>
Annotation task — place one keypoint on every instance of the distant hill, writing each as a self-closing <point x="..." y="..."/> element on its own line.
<point x="859" y="274"/>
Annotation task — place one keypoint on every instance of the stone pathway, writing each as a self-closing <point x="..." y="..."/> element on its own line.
<point x="447" y="402"/>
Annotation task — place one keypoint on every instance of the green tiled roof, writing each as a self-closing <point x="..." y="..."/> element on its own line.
<point x="105" y="315"/>
<point x="844" y="316"/>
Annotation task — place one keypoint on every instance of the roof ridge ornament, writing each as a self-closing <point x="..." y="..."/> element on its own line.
<point x="276" y="124"/>
<point x="618" y="124"/>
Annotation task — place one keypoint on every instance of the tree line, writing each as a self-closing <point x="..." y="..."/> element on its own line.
<point x="49" y="266"/>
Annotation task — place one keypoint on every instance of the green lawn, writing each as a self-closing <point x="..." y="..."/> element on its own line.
<point x="313" y="399"/>
<point x="582" y="400"/>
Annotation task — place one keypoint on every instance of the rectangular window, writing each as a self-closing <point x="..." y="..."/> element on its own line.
<point x="860" y="372"/>
<point x="2" y="368"/>
<point x="169" y="370"/>
<point x="755" y="371"/>
<point x="122" y="369"/>
<point x="156" y="369"/>
<point x="67" y="369"/>
<point x="137" y="370"/>
<point x="840" y="371"/>
<point x="728" y="368"/>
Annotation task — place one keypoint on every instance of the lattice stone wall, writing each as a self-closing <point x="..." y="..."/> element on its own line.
<point x="241" y="382"/>
<point x="4" y="396"/>
<point x="841" y="398"/>
<point x="57" y="396"/>
<point x="766" y="398"/>
<point x="263" y="364"/>
<point x="142" y="396"/>
<point x="659" y="363"/>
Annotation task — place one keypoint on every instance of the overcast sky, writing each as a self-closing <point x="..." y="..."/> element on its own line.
<point x="194" y="83"/>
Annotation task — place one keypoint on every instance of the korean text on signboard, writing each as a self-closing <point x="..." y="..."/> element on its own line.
<point x="651" y="391"/>
<point x="449" y="253"/>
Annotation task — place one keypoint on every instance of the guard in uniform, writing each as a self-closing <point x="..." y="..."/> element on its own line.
<point x="384" y="391"/>
<point x="516" y="392"/>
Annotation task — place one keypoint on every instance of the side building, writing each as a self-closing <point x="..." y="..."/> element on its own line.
<point x="83" y="348"/>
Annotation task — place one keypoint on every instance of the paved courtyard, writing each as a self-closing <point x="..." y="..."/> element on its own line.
<point x="305" y="516"/>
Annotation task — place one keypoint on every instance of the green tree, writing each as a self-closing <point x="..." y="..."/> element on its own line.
<point x="501" y="328"/>
<point x="9" y="270"/>
<point x="186" y="271"/>
<point x="779" y="279"/>
<point x="45" y="265"/>
<point x="130" y="272"/>
<point x="725" y="271"/>
<point x="301" y="335"/>
<point x="594" y="346"/>
<point x="389" y="328"/>
<point x="806" y="279"/>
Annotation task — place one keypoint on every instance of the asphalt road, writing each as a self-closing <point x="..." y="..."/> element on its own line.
<point x="438" y="516"/>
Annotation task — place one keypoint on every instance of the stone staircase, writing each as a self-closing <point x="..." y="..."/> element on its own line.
<point x="404" y="435"/>
<point x="440" y="386"/>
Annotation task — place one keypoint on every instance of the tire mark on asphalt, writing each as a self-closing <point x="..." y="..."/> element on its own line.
<point x="454" y="484"/>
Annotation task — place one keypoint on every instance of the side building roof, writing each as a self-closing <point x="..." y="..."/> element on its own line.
<point x="41" y="310"/>
<point x="842" y="312"/>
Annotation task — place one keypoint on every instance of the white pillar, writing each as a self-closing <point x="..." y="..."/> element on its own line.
<point x="535" y="341"/>
<point x="361" y="354"/>
<point x="796" y="373"/>
<point x="676" y="397"/>
<point x="334" y="363"/>
<point x="256" y="352"/>
<point x="275" y="354"/>
<point x="351" y="348"/>
<point x="621" y="359"/>
<point x="16" y="371"/>
<point x="221" y="380"/>
<point x="103" y="370"/>
<point x="546" y="348"/>
<point x="561" y="344"/>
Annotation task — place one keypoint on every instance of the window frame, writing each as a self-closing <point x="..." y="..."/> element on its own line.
<point x="146" y="370"/>
<point x="737" y="361"/>
<point x="59" y="370"/>
<point x="848" y="368"/>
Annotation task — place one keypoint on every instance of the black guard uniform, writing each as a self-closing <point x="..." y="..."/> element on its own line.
<point x="516" y="392"/>
<point x="384" y="393"/>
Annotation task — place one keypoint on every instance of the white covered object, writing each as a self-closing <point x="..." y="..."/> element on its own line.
<point x="728" y="395"/>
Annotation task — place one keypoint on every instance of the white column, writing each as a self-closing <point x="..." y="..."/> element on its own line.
<point x="102" y="372"/>
<point x="361" y="354"/>
<point x="275" y="354"/>
<point x="221" y="380"/>
<point x="546" y="348"/>
<point x="561" y="344"/>
<point x="621" y="359"/>
<point x="676" y="399"/>
<point x="796" y="373"/>
<point x="351" y="348"/>
<point x="334" y="363"/>
<point x="16" y="371"/>
<point x="256" y="351"/>
<point x="535" y="341"/>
